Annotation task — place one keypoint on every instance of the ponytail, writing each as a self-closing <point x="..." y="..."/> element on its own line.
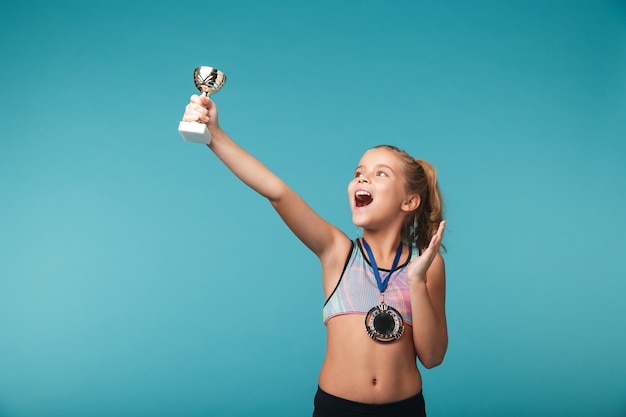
<point x="430" y="212"/>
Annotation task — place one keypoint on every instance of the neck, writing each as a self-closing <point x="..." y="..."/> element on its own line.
<point x="384" y="245"/>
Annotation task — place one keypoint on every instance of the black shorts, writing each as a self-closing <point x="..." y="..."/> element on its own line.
<point x="327" y="405"/>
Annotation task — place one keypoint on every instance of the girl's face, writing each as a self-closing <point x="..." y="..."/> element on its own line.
<point x="377" y="191"/>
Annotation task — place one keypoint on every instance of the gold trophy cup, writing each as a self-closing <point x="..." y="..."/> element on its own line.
<point x="208" y="80"/>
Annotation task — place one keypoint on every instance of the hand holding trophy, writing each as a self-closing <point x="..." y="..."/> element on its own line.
<point x="208" y="80"/>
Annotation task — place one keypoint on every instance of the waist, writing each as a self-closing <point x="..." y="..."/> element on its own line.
<point x="327" y="404"/>
<point x="370" y="387"/>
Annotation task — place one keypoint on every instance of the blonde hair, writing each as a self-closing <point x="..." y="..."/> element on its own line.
<point x="421" y="179"/>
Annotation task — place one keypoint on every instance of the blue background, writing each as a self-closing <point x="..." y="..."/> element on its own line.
<point x="139" y="277"/>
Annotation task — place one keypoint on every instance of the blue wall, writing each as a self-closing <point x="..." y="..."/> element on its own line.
<point x="138" y="277"/>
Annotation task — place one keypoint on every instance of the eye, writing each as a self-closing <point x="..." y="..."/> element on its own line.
<point x="357" y="174"/>
<point x="382" y="174"/>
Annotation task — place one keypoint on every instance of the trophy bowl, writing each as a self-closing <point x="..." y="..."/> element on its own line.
<point x="208" y="80"/>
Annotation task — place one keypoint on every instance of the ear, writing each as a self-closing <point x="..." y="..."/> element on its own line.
<point x="411" y="203"/>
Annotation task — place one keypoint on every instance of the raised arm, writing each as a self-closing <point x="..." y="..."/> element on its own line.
<point x="316" y="233"/>
<point x="427" y="286"/>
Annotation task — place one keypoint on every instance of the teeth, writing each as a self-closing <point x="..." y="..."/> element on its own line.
<point x="362" y="193"/>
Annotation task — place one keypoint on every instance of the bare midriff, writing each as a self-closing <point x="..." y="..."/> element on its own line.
<point x="360" y="369"/>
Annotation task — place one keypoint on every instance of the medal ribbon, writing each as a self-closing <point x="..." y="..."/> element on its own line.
<point x="382" y="285"/>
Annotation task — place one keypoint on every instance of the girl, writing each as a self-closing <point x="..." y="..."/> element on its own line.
<point x="393" y="278"/>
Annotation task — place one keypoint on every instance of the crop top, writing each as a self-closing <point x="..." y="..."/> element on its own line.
<point x="357" y="291"/>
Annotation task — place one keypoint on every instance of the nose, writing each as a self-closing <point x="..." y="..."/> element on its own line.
<point x="363" y="179"/>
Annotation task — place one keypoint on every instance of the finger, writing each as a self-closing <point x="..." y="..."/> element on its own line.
<point x="435" y="241"/>
<point x="434" y="244"/>
<point x="441" y="229"/>
<point x="202" y="117"/>
<point x="204" y="100"/>
<point x="189" y="117"/>
<point x="428" y="254"/>
<point x="196" y="107"/>
<point x="194" y="115"/>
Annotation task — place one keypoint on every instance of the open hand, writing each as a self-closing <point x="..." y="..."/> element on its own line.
<point x="418" y="267"/>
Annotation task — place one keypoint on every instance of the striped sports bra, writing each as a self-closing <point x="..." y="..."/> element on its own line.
<point x="357" y="291"/>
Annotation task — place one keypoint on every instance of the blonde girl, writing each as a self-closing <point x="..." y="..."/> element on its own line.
<point x="385" y="291"/>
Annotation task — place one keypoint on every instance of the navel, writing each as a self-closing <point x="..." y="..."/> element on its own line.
<point x="374" y="381"/>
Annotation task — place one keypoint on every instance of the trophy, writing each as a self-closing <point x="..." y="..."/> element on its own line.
<point x="208" y="80"/>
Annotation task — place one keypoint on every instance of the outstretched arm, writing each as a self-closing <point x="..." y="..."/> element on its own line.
<point x="316" y="233"/>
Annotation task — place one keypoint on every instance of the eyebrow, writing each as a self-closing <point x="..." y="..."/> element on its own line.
<point x="378" y="166"/>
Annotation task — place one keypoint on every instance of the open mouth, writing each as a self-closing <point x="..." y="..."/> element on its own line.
<point x="362" y="198"/>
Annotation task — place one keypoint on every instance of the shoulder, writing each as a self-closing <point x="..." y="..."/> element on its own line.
<point x="336" y="253"/>
<point x="340" y="248"/>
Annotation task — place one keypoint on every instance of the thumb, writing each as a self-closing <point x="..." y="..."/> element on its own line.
<point x="204" y="100"/>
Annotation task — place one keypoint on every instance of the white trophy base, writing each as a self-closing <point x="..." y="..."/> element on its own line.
<point x="194" y="132"/>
